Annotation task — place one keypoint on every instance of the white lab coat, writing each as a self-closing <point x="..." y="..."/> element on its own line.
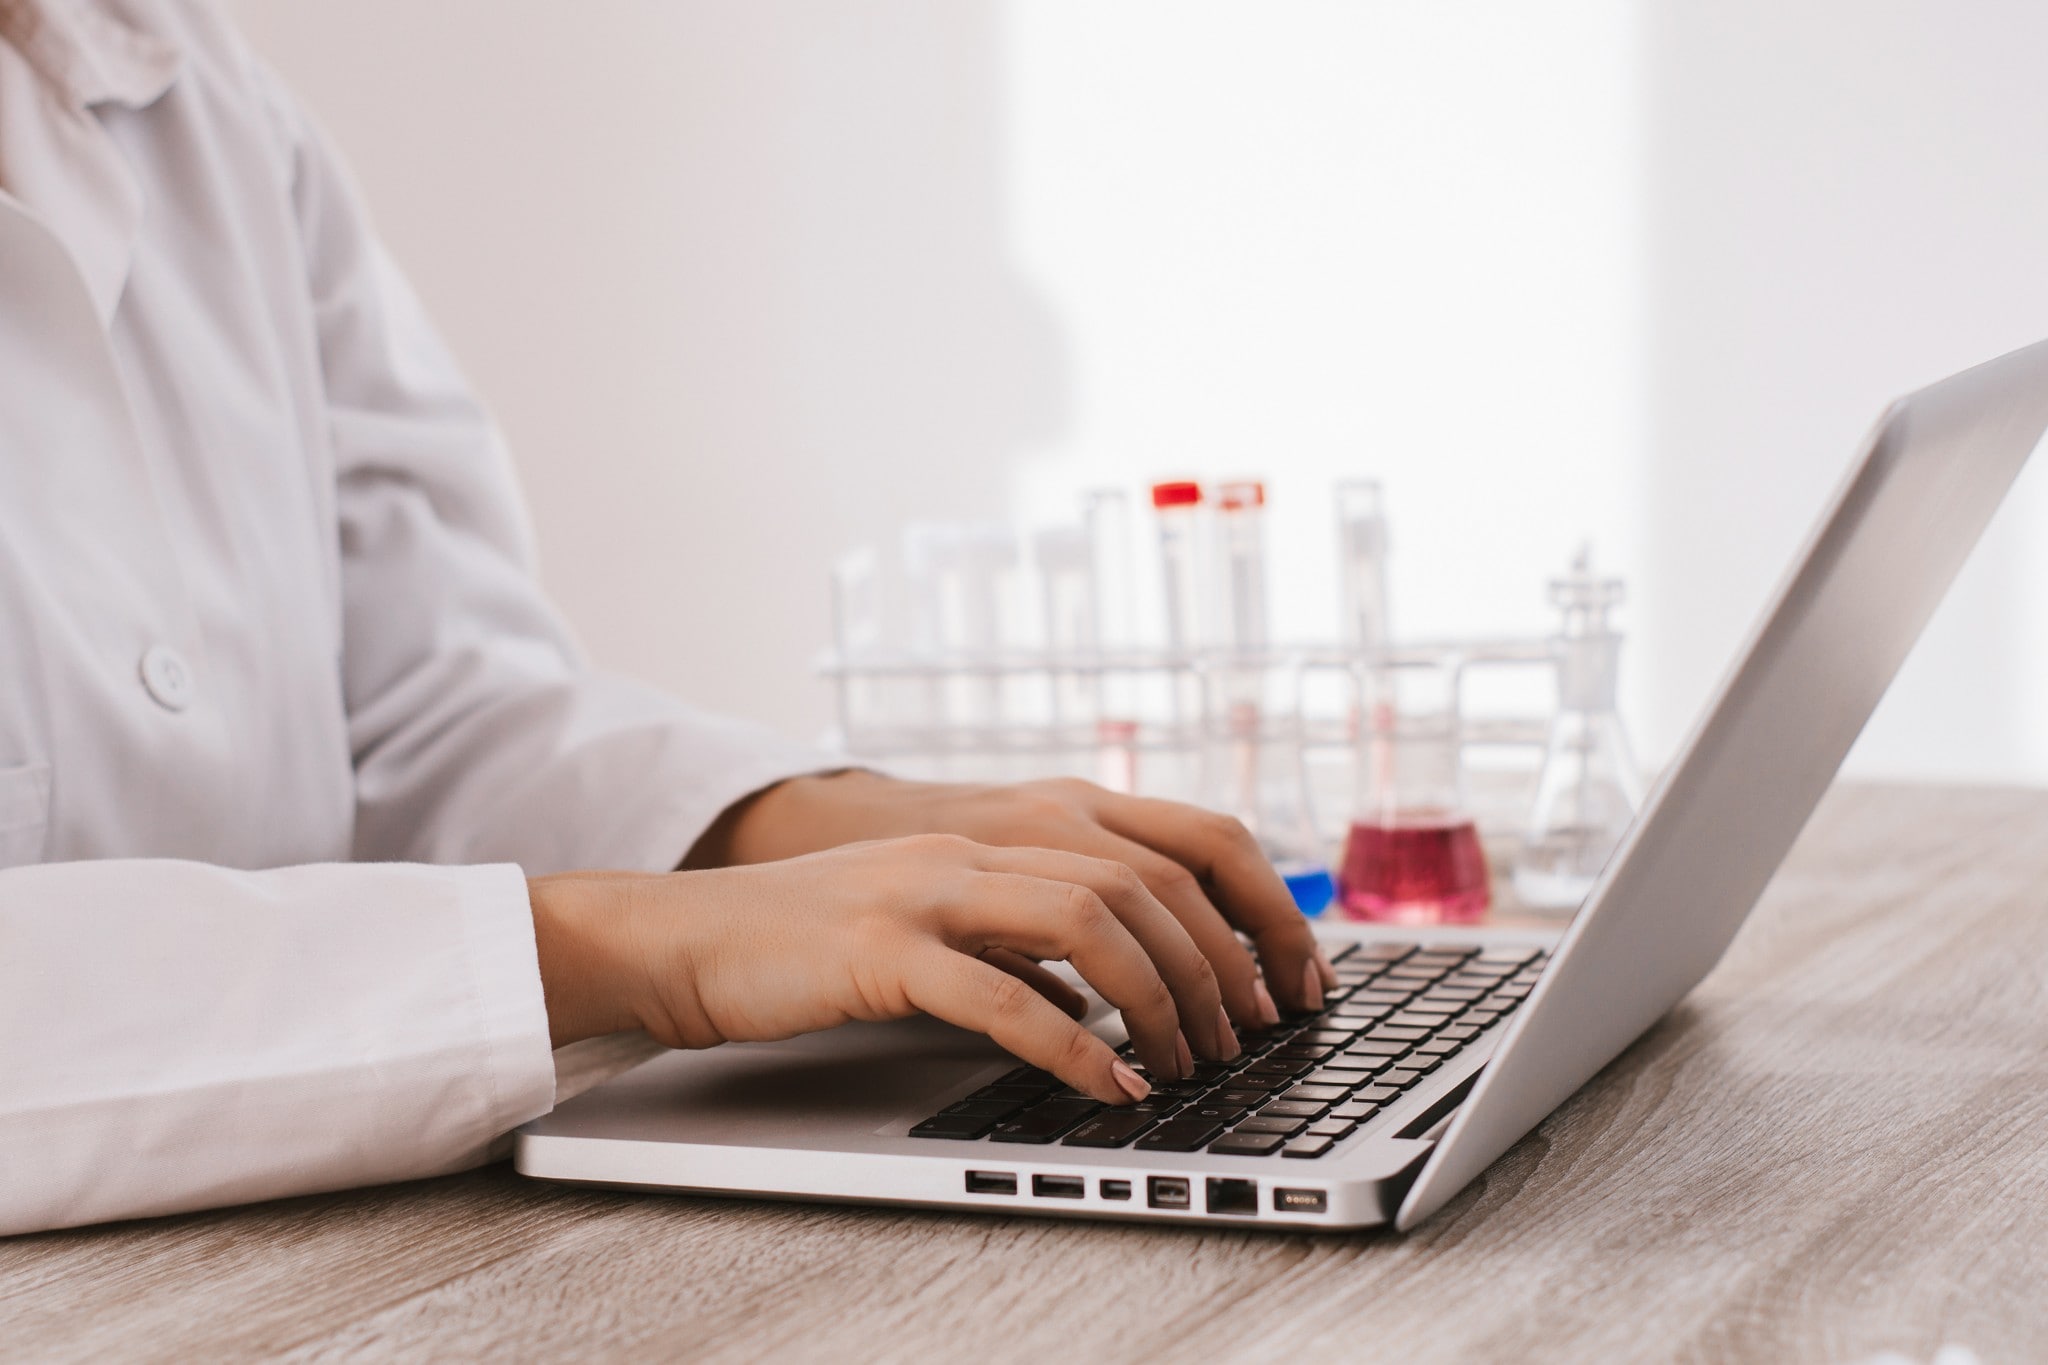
<point x="266" y="602"/>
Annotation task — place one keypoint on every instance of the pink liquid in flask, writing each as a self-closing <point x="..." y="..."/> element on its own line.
<point x="1423" y="868"/>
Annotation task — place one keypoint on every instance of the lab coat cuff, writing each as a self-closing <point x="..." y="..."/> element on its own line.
<point x="511" y="1010"/>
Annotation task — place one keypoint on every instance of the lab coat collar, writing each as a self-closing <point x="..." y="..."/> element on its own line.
<point x="93" y="55"/>
<point x="56" y="160"/>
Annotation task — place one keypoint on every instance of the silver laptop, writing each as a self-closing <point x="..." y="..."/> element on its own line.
<point x="1440" y="1048"/>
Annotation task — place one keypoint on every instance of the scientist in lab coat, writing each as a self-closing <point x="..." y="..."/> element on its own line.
<point x="295" y="759"/>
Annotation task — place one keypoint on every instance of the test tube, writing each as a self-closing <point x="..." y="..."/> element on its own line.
<point x="1067" y="600"/>
<point x="1362" y="559"/>
<point x="1241" y="541"/>
<point x="1106" y="513"/>
<point x="1178" y="508"/>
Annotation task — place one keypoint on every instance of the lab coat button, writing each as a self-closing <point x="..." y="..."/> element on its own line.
<point x="168" y="677"/>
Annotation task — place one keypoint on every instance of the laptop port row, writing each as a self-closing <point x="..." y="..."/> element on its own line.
<point x="1225" y="1196"/>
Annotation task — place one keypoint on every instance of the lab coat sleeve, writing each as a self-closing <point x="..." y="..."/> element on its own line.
<point x="330" y="1026"/>
<point x="479" y="735"/>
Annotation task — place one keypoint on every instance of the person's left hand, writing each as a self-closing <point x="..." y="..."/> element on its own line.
<point x="1204" y="867"/>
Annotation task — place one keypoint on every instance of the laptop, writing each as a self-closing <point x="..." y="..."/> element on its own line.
<point x="1440" y="1047"/>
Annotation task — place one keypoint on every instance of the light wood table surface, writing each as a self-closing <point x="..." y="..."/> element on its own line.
<point x="1837" y="1148"/>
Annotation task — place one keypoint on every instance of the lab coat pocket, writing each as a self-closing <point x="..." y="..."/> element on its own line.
<point x="24" y="813"/>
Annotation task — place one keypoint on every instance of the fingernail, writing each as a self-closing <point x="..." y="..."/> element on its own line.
<point x="1269" y="1013"/>
<point x="1226" y="1036"/>
<point x="1187" y="1058"/>
<point x="1129" y="1081"/>
<point x="1323" y="965"/>
<point x="1312" y="985"/>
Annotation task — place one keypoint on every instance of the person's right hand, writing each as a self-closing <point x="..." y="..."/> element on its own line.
<point x="934" y="924"/>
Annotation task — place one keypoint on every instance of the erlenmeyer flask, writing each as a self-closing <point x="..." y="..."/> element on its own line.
<point x="1412" y="855"/>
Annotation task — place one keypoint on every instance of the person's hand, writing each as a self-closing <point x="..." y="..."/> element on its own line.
<point x="1205" y="868"/>
<point x="936" y="924"/>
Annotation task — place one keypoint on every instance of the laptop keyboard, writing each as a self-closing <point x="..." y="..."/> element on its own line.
<point x="1398" y="1013"/>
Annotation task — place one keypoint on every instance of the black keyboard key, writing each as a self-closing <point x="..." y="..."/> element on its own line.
<point x="1111" y="1129"/>
<point x="1324" y="1038"/>
<point x="1421" y="1024"/>
<point x="1354" y="1111"/>
<point x="1262" y="1082"/>
<point x="1458" y="1032"/>
<point x="1422" y="1062"/>
<point x="1382" y="952"/>
<point x="1377" y="1046"/>
<point x="1343" y="1080"/>
<point x="1438" y="1047"/>
<point x="1479" y="1018"/>
<point x="1180" y="1135"/>
<point x="1264" y="1123"/>
<point x="1243" y="1098"/>
<point x="1333" y="1128"/>
<point x="1316" y="1094"/>
<point x="1301" y="1052"/>
<point x="1246" y="1144"/>
<point x="1377" y="996"/>
<point x="1376" y="1094"/>
<point x="1276" y="1066"/>
<point x="1514" y="991"/>
<point x="983" y="1109"/>
<point x="1032" y="1076"/>
<point x="1021" y="1094"/>
<point x="1306" y="1147"/>
<point x="1511" y="956"/>
<point x="1213" y="1113"/>
<point x="1392" y="1033"/>
<point x="1293" y="1109"/>
<point x="1401" y="1078"/>
<point x="962" y="1126"/>
<point x="1044" y="1121"/>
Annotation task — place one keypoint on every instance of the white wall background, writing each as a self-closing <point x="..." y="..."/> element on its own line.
<point x="751" y="282"/>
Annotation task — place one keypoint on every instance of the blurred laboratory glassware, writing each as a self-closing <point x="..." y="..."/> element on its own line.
<point x="1067" y="601"/>
<point x="1590" y="788"/>
<point x="1240" y="524"/>
<point x="960" y="577"/>
<point x="1177" y="509"/>
<point x="1362" y="564"/>
<point x="1176" y="770"/>
<point x="1106" y="512"/>
<point x="1412" y="855"/>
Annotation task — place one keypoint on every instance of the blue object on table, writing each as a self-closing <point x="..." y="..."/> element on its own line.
<point x="1312" y="887"/>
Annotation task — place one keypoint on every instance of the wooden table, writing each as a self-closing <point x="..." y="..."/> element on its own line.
<point x="1837" y="1147"/>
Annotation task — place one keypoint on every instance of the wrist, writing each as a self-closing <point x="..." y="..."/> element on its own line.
<point x="576" y="928"/>
<point x="802" y="815"/>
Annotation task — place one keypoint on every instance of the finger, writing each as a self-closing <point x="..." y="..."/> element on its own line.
<point x="1181" y="962"/>
<point x="970" y="993"/>
<point x="1069" y="1000"/>
<point x="1222" y="853"/>
<point x="1048" y="919"/>
<point x="1237" y="974"/>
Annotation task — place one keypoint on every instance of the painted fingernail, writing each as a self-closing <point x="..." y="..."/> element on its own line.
<point x="1323" y="965"/>
<point x="1226" y="1036"/>
<point x="1129" y="1081"/>
<point x="1269" y="1013"/>
<point x="1187" y="1058"/>
<point x="1312" y="985"/>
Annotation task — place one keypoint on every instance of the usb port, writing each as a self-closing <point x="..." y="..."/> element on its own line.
<point x="1234" y="1196"/>
<point x="1059" y="1187"/>
<point x="1167" y="1192"/>
<point x="1301" y="1201"/>
<point x="1116" y="1189"/>
<point x="991" y="1182"/>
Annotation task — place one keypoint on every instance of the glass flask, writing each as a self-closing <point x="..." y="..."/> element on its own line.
<point x="1589" y="789"/>
<point x="1412" y="853"/>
